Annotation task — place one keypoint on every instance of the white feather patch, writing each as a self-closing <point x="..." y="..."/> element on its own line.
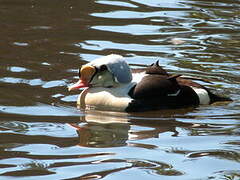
<point x="202" y="95"/>
<point x="111" y="99"/>
<point x="137" y="77"/>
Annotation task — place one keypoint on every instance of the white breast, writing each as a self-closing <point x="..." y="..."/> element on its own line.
<point x="111" y="99"/>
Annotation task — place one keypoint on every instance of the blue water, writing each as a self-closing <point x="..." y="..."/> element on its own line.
<point x="44" y="135"/>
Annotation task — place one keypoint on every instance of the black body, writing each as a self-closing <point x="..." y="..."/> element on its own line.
<point x="159" y="90"/>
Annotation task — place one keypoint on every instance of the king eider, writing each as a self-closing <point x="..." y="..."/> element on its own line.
<point x="110" y="84"/>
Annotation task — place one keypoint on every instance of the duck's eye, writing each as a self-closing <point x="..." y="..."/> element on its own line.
<point x="102" y="68"/>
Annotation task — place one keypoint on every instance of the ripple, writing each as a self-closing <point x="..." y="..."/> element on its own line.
<point x="22" y="44"/>
<point x="71" y="98"/>
<point x="226" y="174"/>
<point x="41" y="27"/>
<point x="139" y="15"/>
<point x="230" y="155"/>
<point x="14" y="80"/>
<point x="139" y="29"/>
<point x="39" y="110"/>
<point x="18" y="69"/>
<point x="103" y="45"/>
<point x="165" y="4"/>
<point x="13" y="126"/>
<point x="117" y="3"/>
<point x="27" y="172"/>
<point x="55" y="83"/>
<point x="131" y="29"/>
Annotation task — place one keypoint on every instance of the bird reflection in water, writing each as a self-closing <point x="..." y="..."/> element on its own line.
<point x="102" y="129"/>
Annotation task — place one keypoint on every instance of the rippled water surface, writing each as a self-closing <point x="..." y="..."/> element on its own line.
<point x="43" y="134"/>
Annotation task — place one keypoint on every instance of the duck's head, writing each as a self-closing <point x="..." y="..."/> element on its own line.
<point x="107" y="71"/>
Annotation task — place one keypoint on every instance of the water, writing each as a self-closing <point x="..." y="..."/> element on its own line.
<point x="43" y="134"/>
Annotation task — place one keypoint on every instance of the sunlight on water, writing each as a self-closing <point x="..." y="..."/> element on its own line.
<point x="45" y="136"/>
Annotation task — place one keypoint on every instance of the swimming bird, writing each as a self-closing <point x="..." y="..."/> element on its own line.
<point x="110" y="84"/>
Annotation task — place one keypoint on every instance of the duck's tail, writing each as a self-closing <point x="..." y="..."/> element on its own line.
<point x="215" y="97"/>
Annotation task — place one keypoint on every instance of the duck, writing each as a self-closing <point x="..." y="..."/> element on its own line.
<point x="110" y="84"/>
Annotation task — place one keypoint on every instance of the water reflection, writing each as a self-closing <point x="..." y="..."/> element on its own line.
<point x="99" y="129"/>
<point x="43" y="44"/>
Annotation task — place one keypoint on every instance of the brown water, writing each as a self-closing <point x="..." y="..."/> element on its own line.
<point x="44" y="136"/>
